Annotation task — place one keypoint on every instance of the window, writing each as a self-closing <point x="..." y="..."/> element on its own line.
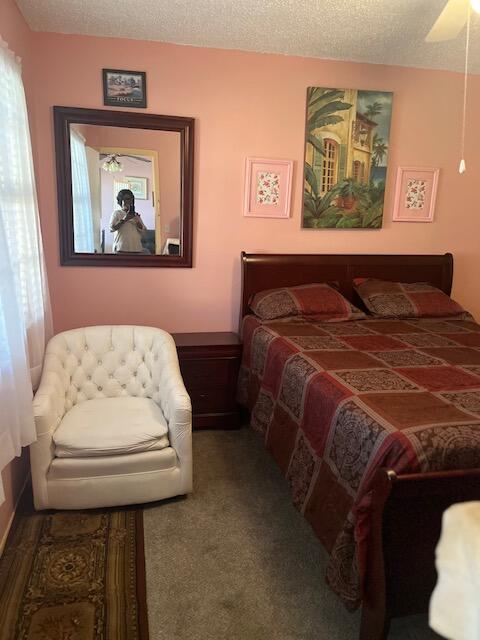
<point x="329" y="165"/>
<point x="24" y="307"/>
<point x="362" y="134"/>
<point x="358" y="170"/>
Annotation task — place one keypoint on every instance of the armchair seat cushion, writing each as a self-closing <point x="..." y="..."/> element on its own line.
<point x="104" y="466"/>
<point x="110" y="427"/>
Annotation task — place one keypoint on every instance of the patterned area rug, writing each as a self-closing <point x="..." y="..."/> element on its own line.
<point x="74" y="576"/>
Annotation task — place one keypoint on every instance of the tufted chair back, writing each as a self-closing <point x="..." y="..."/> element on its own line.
<point x="106" y="362"/>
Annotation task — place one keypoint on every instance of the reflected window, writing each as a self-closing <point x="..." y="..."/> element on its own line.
<point x="82" y="203"/>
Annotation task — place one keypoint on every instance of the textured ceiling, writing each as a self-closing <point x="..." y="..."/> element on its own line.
<point x="379" y="31"/>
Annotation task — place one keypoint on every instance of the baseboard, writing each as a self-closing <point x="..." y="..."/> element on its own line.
<point x="9" y="525"/>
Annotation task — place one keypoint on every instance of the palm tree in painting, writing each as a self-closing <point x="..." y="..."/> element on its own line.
<point x="322" y="106"/>
<point x="379" y="150"/>
<point x="373" y="110"/>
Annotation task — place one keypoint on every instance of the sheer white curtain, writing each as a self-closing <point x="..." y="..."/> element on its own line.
<point x="82" y="202"/>
<point x="25" y="317"/>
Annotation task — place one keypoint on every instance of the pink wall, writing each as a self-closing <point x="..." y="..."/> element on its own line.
<point x="169" y="170"/>
<point x="14" y="30"/>
<point x="13" y="478"/>
<point x="250" y="104"/>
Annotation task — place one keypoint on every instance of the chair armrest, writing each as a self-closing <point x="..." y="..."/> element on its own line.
<point x="177" y="409"/>
<point x="48" y="409"/>
<point x="176" y="406"/>
<point x="172" y="397"/>
<point x="49" y="403"/>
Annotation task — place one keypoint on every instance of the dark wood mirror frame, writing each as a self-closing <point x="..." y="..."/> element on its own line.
<point x="63" y="117"/>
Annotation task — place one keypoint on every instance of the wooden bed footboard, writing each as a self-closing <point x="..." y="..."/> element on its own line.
<point x="406" y="522"/>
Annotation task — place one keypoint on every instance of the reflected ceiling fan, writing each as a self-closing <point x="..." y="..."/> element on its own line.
<point x="452" y="20"/>
<point x="110" y="161"/>
<point x="126" y="155"/>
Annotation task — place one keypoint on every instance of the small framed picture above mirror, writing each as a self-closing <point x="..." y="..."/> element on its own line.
<point x="124" y="88"/>
<point x="125" y="188"/>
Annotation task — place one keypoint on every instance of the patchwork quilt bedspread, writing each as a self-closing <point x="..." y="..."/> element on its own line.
<point x="337" y="401"/>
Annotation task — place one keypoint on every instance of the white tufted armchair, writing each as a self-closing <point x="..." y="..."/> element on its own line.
<point x="113" y="419"/>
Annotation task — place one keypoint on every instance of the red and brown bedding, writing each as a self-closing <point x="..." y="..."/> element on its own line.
<point x="336" y="401"/>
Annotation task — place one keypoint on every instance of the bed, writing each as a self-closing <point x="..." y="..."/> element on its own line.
<point x="375" y="424"/>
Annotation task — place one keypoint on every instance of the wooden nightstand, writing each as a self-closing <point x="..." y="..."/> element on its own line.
<point x="209" y="363"/>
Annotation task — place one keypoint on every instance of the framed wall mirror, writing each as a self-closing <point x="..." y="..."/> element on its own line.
<point x="125" y="188"/>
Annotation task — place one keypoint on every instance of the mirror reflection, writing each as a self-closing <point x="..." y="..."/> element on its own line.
<point x="126" y="190"/>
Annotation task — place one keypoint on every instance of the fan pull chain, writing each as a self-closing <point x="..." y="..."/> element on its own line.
<point x="462" y="167"/>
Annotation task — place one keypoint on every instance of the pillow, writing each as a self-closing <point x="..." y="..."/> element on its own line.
<point x="405" y="300"/>
<point x="318" y="301"/>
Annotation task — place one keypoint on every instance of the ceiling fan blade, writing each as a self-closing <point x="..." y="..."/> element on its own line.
<point x="450" y="22"/>
<point x="137" y="157"/>
<point x="124" y="155"/>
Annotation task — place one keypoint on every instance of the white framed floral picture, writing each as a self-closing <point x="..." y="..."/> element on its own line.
<point x="268" y="185"/>
<point x="415" y="193"/>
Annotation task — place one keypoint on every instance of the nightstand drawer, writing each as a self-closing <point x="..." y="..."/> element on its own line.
<point x="208" y="372"/>
<point x="213" y="400"/>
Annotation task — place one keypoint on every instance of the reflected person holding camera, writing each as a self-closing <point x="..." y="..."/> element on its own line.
<point x="127" y="225"/>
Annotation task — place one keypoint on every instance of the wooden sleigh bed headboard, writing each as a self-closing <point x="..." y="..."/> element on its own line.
<point x="262" y="271"/>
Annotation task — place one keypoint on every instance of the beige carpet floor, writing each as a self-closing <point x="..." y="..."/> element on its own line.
<point x="236" y="561"/>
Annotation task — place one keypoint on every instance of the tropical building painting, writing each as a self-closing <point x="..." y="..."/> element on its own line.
<point x="346" y="153"/>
